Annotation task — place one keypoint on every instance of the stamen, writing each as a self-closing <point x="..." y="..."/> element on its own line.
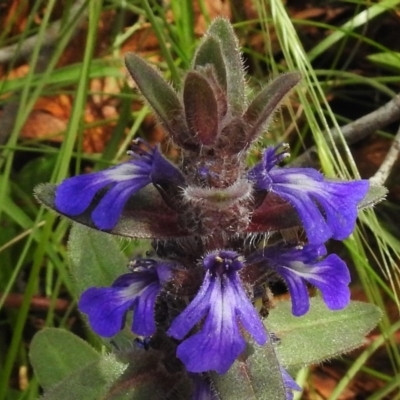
<point x="137" y="148"/>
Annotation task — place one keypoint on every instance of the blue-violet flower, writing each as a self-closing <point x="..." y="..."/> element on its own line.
<point x="202" y="388"/>
<point x="226" y="308"/>
<point x="106" y="307"/>
<point x="327" y="208"/>
<point x="305" y="264"/>
<point x="76" y="194"/>
<point x="290" y="384"/>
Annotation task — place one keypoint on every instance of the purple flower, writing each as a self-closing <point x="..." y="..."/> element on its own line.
<point x="106" y="307"/>
<point x="327" y="209"/>
<point x="225" y="308"/>
<point x="202" y="388"/>
<point x="76" y="194"/>
<point x="304" y="264"/>
<point x="290" y="384"/>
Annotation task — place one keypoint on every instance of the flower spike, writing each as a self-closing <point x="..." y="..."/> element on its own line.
<point x="196" y="320"/>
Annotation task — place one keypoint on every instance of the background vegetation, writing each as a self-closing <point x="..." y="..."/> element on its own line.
<point x="67" y="106"/>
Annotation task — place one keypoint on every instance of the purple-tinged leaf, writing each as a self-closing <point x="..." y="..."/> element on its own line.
<point x="162" y="98"/>
<point x="266" y="102"/>
<point x="273" y="214"/>
<point x="145" y="216"/>
<point x="210" y="53"/>
<point x="201" y="108"/>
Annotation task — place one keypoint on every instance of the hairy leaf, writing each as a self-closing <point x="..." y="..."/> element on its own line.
<point x="57" y="353"/>
<point x="321" y="333"/>
<point x="375" y="195"/>
<point x="274" y="214"/>
<point x="267" y="101"/>
<point x="162" y="98"/>
<point x="91" y="381"/>
<point x="210" y="53"/>
<point x="257" y="377"/>
<point x="222" y="31"/>
<point x="95" y="257"/>
<point x="96" y="260"/>
<point x="201" y="108"/>
<point x="145" y="216"/>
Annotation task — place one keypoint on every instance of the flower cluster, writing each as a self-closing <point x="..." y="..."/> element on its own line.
<point x="202" y="211"/>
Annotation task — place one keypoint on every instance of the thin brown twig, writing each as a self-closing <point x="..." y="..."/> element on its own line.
<point x="385" y="169"/>
<point x="51" y="36"/>
<point x="38" y="303"/>
<point x="356" y="130"/>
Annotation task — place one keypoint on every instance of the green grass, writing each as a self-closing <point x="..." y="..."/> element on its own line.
<point x="33" y="240"/>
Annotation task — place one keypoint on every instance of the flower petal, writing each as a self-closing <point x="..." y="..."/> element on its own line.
<point x="107" y="212"/>
<point x="298" y="291"/>
<point x="203" y="388"/>
<point x="74" y="195"/>
<point x="217" y="345"/>
<point x="332" y="277"/>
<point x="327" y="209"/>
<point x="290" y="384"/>
<point x="143" y="317"/>
<point x="196" y="310"/>
<point x="247" y="314"/>
<point x="106" y="308"/>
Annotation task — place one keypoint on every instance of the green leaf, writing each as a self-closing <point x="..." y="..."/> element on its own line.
<point x="66" y="366"/>
<point x="258" y="377"/>
<point x="64" y="76"/>
<point x="388" y="60"/>
<point x="57" y="353"/>
<point x="161" y="97"/>
<point x="222" y="30"/>
<point x="93" y="381"/>
<point x="375" y="195"/>
<point x="36" y="171"/>
<point x="267" y="101"/>
<point x="96" y="258"/>
<point x="321" y="333"/>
